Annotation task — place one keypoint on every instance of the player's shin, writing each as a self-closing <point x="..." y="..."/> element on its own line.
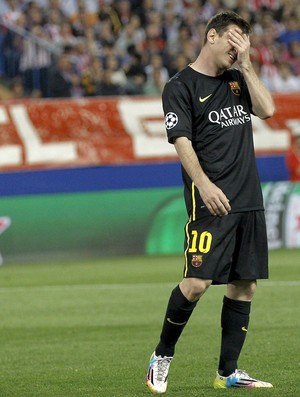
<point x="234" y="321"/>
<point x="178" y="312"/>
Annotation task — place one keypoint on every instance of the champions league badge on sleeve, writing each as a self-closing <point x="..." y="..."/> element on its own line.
<point x="171" y="120"/>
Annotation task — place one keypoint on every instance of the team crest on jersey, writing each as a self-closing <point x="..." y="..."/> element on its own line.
<point x="235" y="88"/>
<point x="196" y="260"/>
<point x="171" y="120"/>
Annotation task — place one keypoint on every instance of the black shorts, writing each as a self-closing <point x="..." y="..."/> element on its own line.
<point x="224" y="249"/>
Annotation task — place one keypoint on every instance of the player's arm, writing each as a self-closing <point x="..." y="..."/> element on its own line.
<point x="262" y="101"/>
<point x="213" y="197"/>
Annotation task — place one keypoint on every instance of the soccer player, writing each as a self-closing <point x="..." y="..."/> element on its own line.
<point x="208" y="107"/>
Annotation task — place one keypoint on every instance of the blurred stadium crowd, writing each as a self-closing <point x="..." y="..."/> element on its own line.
<point x="69" y="48"/>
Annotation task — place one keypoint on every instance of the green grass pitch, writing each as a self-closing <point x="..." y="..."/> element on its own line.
<point x="88" y="329"/>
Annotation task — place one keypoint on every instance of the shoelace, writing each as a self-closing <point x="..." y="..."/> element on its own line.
<point x="162" y="368"/>
<point x="244" y="377"/>
<point x="243" y="373"/>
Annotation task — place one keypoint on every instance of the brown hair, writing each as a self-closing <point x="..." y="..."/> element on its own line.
<point x="221" y="21"/>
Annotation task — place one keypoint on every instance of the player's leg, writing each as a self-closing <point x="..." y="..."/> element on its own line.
<point x="249" y="263"/>
<point x="181" y="304"/>
<point x="234" y="322"/>
<point x="204" y="245"/>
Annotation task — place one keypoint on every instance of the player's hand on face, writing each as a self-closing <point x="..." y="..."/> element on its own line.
<point x="214" y="199"/>
<point x="241" y="43"/>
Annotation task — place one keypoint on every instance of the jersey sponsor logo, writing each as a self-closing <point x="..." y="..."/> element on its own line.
<point x="244" y="329"/>
<point x="196" y="260"/>
<point x="235" y="88"/>
<point x="205" y="98"/>
<point x="230" y="116"/>
<point x="171" y="120"/>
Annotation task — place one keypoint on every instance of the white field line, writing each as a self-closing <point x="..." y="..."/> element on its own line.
<point x="119" y="286"/>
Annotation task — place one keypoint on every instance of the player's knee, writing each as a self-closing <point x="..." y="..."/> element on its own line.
<point x="193" y="288"/>
<point x="242" y="289"/>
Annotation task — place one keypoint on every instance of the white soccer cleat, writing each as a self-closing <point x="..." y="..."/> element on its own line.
<point x="238" y="378"/>
<point x="157" y="375"/>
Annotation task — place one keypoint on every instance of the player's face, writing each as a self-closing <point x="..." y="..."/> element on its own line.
<point x="225" y="54"/>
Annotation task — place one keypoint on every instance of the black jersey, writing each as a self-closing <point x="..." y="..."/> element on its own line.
<point x="215" y="114"/>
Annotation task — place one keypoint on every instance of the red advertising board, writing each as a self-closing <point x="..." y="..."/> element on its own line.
<point x="66" y="133"/>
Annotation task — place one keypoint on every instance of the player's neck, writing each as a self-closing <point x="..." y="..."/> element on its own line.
<point x="206" y="65"/>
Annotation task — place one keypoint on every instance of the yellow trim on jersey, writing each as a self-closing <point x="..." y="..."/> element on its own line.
<point x="193" y="202"/>
<point x="187" y="246"/>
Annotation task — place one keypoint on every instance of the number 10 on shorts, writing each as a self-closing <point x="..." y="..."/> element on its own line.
<point x="200" y="243"/>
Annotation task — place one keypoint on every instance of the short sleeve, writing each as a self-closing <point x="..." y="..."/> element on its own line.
<point x="177" y="110"/>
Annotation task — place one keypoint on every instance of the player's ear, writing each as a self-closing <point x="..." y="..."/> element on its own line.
<point x="211" y="35"/>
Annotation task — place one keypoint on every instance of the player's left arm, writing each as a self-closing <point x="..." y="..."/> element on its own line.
<point x="262" y="101"/>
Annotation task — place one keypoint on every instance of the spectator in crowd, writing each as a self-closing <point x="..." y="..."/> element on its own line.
<point x="178" y="63"/>
<point x="292" y="31"/>
<point x="284" y="80"/>
<point x="184" y="36"/>
<point x="84" y="15"/>
<point x="64" y="82"/>
<point x="35" y="63"/>
<point x="123" y="9"/>
<point x="10" y="10"/>
<point x="170" y="26"/>
<point x="264" y="21"/>
<point x="53" y="5"/>
<point x="66" y="37"/>
<point x="118" y="75"/>
<point x="285" y="9"/>
<point x="17" y="89"/>
<point x="91" y="78"/>
<point x="107" y="87"/>
<point x="154" y="85"/>
<point x="210" y="8"/>
<point x="131" y="35"/>
<point x="136" y="83"/>
<point x="11" y="49"/>
<point x="156" y="64"/>
<point x="133" y="62"/>
<point x="143" y="9"/>
<point x="108" y="14"/>
<point x="93" y="46"/>
<point x="80" y="57"/>
<point x="293" y="57"/>
<point x="53" y="25"/>
<point x="154" y="41"/>
<point x="293" y="159"/>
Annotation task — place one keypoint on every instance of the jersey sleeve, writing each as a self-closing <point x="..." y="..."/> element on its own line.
<point x="177" y="110"/>
<point x="238" y="75"/>
<point x="245" y="90"/>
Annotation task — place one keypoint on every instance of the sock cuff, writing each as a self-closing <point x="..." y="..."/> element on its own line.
<point x="180" y="300"/>
<point x="242" y="307"/>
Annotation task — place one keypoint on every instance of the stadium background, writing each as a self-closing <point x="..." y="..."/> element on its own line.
<point x="91" y="174"/>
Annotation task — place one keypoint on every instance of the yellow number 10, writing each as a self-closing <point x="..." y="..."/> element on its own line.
<point x="205" y="241"/>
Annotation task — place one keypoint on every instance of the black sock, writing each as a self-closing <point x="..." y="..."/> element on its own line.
<point x="234" y="322"/>
<point x="178" y="312"/>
